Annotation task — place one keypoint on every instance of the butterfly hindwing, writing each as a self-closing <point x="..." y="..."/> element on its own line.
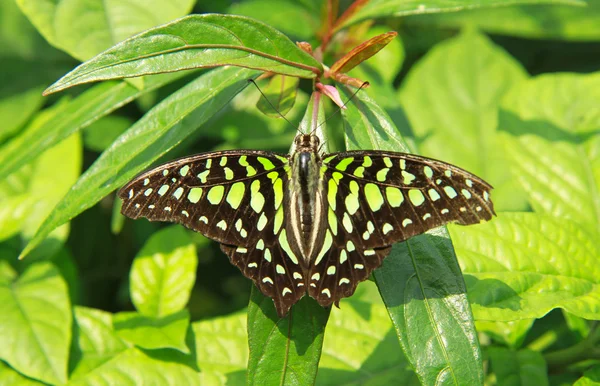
<point x="379" y="198"/>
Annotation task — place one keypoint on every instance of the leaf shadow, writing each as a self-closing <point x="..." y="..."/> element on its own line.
<point x="386" y="364"/>
<point x="481" y="291"/>
<point x="511" y="123"/>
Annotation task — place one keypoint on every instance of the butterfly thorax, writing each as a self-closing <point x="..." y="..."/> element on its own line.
<point x="305" y="195"/>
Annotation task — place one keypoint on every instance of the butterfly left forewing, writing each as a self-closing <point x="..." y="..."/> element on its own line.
<point x="233" y="197"/>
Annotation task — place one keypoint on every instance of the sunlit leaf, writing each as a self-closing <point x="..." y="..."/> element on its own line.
<point x="522" y="265"/>
<point x="452" y="98"/>
<point x="163" y="273"/>
<point x="85" y="28"/>
<point x="94" y="341"/>
<point x="196" y="41"/>
<point x="36" y="323"/>
<point x="552" y="137"/>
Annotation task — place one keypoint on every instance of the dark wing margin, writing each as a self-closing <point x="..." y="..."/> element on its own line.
<point x="378" y="198"/>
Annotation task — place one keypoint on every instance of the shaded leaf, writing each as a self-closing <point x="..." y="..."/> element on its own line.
<point x="36" y="323"/>
<point x="361" y="347"/>
<point x="163" y="127"/>
<point x="290" y="17"/>
<point x="548" y="21"/>
<point x="420" y="281"/>
<point x="590" y="378"/>
<point x="101" y="134"/>
<point x="153" y="333"/>
<point x="511" y="334"/>
<point x="22" y="53"/>
<point x="384" y="8"/>
<point x="74" y="115"/>
<point x="452" y="97"/>
<point x="281" y="93"/>
<point x="196" y="41"/>
<point x="525" y="367"/>
<point x="522" y="265"/>
<point x="163" y="273"/>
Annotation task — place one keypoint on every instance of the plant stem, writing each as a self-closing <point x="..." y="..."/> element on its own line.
<point x="584" y="350"/>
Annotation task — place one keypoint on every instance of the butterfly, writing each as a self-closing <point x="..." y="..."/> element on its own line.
<point x="305" y="222"/>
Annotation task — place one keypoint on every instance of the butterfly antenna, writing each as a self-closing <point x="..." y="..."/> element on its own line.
<point x="365" y="84"/>
<point x="271" y="104"/>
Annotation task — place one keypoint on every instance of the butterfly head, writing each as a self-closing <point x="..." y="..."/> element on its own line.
<point x="307" y="143"/>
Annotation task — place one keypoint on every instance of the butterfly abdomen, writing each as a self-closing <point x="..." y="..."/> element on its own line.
<point x="306" y="206"/>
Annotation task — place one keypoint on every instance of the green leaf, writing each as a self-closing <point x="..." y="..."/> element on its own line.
<point x="511" y="333"/>
<point x="361" y="347"/>
<point x="287" y="350"/>
<point x="163" y="273"/>
<point x="529" y="21"/>
<point x="85" y="28"/>
<point x="8" y="376"/>
<point x="134" y="367"/>
<point x="420" y="282"/>
<point x="22" y="53"/>
<point x="94" y="341"/>
<point x="102" y="133"/>
<point x="281" y="93"/>
<point x="153" y="333"/>
<point x="163" y="127"/>
<point x="222" y="350"/>
<point x="385" y="8"/>
<point x="590" y="378"/>
<point x="522" y="265"/>
<point x="451" y="98"/>
<point x="36" y="323"/>
<point x="524" y="367"/>
<point x="29" y="194"/>
<point x="553" y="144"/>
<point x="196" y="41"/>
<point x="73" y="116"/>
<point x="289" y="16"/>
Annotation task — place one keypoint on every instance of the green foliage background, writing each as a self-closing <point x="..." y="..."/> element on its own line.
<point x="511" y="94"/>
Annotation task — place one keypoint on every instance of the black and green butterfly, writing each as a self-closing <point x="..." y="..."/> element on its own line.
<point x="305" y="222"/>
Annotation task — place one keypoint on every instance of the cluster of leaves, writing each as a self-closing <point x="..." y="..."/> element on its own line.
<point x="531" y="276"/>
